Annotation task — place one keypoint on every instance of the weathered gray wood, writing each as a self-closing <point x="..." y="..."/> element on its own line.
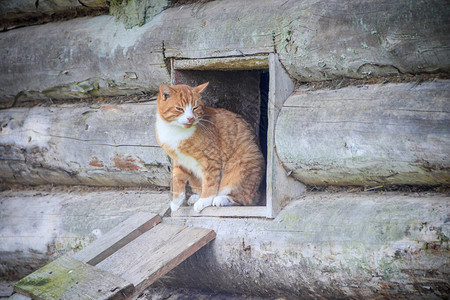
<point x="223" y="63"/>
<point x="315" y="40"/>
<point x="280" y="188"/>
<point x="41" y="224"/>
<point x="155" y="253"/>
<point x="391" y="242"/>
<point x="20" y="13"/>
<point x="117" y="238"/>
<point x="376" y="244"/>
<point x="126" y="62"/>
<point x="368" y="135"/>
<point x="105" y="145"/>
<point x="231" y="212"/>
<point x="17" y="296"/>
<point x="68" y="278"/>
<point x="30" y="8"/>
<point x="324" y="39"/>
<point x="136" y="12"/>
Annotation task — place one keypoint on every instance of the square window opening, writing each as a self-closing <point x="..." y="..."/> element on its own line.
<point x="255" y="88"/>
<point x="243" y="92"/>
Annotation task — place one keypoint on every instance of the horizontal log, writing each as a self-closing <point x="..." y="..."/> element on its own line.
<point x="136" y="12"/>
<point x="27" y="8"/>
<point x="315" y="40"/>
<point x="42" y="224"/>
<point x="367" y="135"/>
<point x="319" y="40"/>
<point x="28" y="12"/>
<point x="333" y="246"/>
<point x="101" y="58"/>
<point x="327" y="246"/>
<point x="103" y="145"/>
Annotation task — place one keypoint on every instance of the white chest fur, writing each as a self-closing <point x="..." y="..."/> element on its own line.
<point x="171" y="135"/>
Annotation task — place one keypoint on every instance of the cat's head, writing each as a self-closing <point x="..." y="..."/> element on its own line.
<point x="181" y="105"/>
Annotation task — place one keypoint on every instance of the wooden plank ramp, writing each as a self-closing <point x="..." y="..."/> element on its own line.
<point x="120" y="264"/>
<point x="68" y="278"/>
<point x="118" y="237"/>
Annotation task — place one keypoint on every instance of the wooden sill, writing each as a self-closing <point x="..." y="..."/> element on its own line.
<point x="226" y="212"/>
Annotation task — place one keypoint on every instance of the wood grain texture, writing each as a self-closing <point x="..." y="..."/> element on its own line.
<point x="68" y="278"/>
<point x="155" y="253"/>
<point x="223" y="63"/>
<point x="25" y="8"/>
<point x="126" y="62"/>
<point x="401" y="238"/>
<point x="17" y="296"/>
<point x="319" y="40"/>
<point x="106" y="145"/>
<point x="368" y="135"/>
<point x="280" y="187"/>
<point x="63" y="220"/>
<point x="117" y="238"/>
<point x="225" y="212"/>
<point x="315" y="40"/>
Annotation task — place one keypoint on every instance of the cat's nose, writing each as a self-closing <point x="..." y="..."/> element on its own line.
<point x="191" y="119"/>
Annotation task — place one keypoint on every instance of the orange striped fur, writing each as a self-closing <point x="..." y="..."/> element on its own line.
<point x="213" y="149"/>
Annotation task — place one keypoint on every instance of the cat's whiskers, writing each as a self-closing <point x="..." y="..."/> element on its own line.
<point x="206" y="120"/>
<point x="206" y="128"/>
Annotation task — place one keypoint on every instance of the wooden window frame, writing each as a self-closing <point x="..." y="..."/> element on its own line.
<point x="280" y="188"/>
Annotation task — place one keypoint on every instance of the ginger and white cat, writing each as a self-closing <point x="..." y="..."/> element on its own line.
<point x="213" y="149"/>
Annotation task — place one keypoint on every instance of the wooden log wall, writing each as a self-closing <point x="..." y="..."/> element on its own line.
<point x="315" y="40"/>
<point x="330" y="246"/>
<point x="391" y="134"/>
<point x="342" y="245"/>
<point x="40" y="224"/>
<point x="29" y="8"/>
<point x="102" y="58"/>
<point x="19" y="13"/>
<point x="108" y="145"/>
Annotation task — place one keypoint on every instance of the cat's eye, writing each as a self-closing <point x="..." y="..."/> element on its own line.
<point x="179" y="108"/>
<point x="195" y="108"/>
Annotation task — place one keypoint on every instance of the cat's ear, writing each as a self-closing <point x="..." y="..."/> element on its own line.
<point x="166" y="91"/>
<point x="201" y="87"/>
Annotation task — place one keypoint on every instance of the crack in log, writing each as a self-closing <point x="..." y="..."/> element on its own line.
<point x="83" y="140"/>
<point x="419" y="110"/>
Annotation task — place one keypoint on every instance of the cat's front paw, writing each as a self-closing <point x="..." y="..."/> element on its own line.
<point x="192" y="199"/>
<point x="202" y="203"/>
<point x="223" y="201"/>
<point x="176" y="202"/>
<point x="174" y="206"/>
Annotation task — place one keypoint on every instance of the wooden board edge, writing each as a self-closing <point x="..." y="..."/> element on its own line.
<point x="17" y="296"/>
<point x="124" y="293"/>
<point x="251" y="62"/>
<point x="175" y="262"/>
<point x="25" y="293"/>
<point x="223" y="212"/>
<point x="97" y="254"/>
<point x="280" y="188"/>
<point x="123" y="290"/>
<point x="125" y="240"/>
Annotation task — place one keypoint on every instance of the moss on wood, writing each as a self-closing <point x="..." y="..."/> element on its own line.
<point x="136" y="12"/>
